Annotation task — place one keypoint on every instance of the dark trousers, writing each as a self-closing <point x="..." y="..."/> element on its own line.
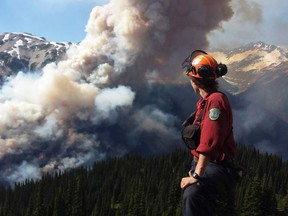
<point x="200" y="198"/>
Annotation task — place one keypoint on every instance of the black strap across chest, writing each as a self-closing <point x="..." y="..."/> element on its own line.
<point x="191" y="118"/>
<point x="199" y="118"/>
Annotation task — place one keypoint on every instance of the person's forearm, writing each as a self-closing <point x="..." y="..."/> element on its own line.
<point x="202" y="164"/>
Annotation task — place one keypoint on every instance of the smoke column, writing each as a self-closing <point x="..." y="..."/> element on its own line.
<point x="93" y="103"/>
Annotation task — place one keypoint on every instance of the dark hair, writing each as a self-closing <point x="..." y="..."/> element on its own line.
<point x="209" y="85"/>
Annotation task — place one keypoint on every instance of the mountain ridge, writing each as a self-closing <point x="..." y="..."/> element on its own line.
<point x="246" y="64"/>
<point x="27" y="52"/>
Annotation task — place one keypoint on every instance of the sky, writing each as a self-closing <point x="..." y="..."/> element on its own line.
<point x="55" y="20"/>
<point x="65" y="21"/>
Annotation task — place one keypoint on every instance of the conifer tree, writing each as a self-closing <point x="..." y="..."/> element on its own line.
<point x="77" y="199"/>
<point x="253" y="199"/>
<point x="39" y="208"/>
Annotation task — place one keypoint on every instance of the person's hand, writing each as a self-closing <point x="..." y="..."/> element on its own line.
<point x="186" y="181"/>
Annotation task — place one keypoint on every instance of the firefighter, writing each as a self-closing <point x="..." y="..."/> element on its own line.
<point x="213" y="154"/>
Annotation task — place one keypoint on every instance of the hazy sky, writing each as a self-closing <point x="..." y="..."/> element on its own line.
<point x="65" y="20"/>
<point x="254" y="20"/>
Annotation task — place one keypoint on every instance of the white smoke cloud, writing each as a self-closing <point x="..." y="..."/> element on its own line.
<point x="22" y="172"/>
<point x="69" y="114"/>
<point x="109" y="99"/>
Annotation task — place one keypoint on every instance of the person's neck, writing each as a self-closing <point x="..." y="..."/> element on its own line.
<point x="203" y="93"/>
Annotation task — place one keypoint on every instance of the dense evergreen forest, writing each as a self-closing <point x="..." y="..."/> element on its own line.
<point x="137" y="186"/>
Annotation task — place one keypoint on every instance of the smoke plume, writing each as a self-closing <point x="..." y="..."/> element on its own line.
<point x="103" y="99"/>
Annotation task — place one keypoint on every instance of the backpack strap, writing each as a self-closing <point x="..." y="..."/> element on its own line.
<point x="199" y="118"/>
<point x="191" y="118"/>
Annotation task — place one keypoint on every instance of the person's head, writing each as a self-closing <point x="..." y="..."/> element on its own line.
<point x="203" y="70"/>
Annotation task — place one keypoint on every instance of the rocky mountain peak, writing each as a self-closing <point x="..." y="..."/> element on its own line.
<point x="26" y="52"/>
<point x="261" y="45"/>
<point x="249" y="63"/>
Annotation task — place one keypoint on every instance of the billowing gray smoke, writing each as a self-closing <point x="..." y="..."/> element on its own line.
<point x="102" y="100"/>
<point x="260" y="113"/>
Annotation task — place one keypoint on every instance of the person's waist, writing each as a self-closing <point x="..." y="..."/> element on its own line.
<point x="225" y="161"/>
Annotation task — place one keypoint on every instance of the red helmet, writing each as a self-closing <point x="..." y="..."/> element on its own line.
<point x="201" y="65"/>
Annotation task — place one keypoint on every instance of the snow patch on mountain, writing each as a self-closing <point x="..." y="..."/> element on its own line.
<point x="259" y="56"/>
<point x="249" y="63"/>
<point x="26" y="52"/>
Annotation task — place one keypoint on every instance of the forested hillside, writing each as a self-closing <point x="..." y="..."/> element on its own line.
<point x="137" y="186"/>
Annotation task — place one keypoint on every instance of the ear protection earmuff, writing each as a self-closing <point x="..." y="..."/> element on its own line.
<point x="221" y="70"/>
<point x="206" y="71"/>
